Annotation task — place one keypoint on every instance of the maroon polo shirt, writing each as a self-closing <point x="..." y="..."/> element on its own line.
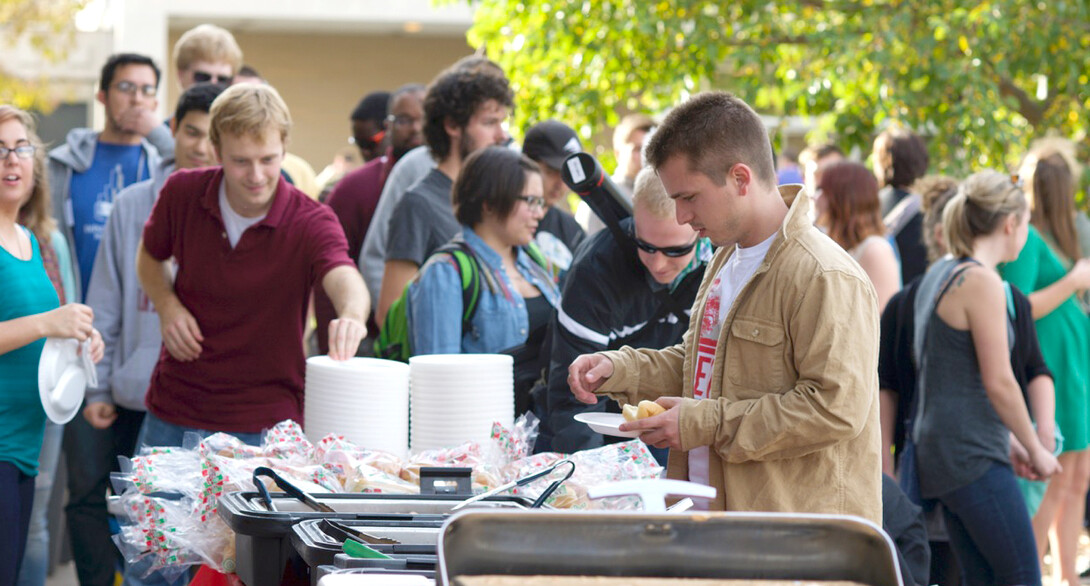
<point x="250" y="303"/>
<point x="354" y="200"/>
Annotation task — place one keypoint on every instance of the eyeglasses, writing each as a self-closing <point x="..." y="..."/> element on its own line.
<point x="23" y="151"/>
<point x="130" y="88"/>
<point x="534" y="201"/>
<point x="403" y="121"/>
<point x="671" y="251"/>
<point x="203" y="76"/>
<point x="373" y="140"/>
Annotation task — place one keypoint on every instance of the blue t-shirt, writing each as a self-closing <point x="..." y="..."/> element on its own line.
<point x="92" y="193"/>
<point x="26" y="290"/>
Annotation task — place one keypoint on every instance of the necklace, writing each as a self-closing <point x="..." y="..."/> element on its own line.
<point x="18" y="250"/>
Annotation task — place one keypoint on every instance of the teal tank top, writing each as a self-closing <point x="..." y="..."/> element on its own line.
<point x="25" y="289"/>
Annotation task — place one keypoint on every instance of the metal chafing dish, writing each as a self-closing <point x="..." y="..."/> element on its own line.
<point x="740" y="546"/>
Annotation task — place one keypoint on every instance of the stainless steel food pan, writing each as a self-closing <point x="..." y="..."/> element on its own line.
<point x="752" y="546"/>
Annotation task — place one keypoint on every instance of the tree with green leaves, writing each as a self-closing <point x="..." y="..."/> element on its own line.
<point x="982" y="80"/>
<point x="48" y="27"/>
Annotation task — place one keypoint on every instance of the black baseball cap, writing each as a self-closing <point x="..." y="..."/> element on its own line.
<point x="550" y="143"/>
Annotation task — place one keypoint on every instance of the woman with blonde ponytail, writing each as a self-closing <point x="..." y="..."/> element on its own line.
<point x="970" y="404"/>
<point x="1052" y="270"/>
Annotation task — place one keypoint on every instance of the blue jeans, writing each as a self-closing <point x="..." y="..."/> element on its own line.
<point x="16" y="498"/>
<point x="990" y="531"/>
<point x="36" y="557"/>
<point x="156" y="432"/>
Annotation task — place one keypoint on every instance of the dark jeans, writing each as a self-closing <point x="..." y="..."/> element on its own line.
<point x="16" y="499"/>
<point x="91" y="455"/>
<point x="990" y="531"/>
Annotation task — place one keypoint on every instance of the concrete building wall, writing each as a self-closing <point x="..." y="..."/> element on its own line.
<point x="323" y="76"/>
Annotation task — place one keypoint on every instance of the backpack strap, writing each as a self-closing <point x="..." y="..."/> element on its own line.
<point x="470" y="273"/>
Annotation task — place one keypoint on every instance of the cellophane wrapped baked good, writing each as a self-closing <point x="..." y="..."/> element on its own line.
<point x="169" y="496"/>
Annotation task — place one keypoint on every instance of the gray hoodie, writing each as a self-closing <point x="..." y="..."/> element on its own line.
<point x="75" y="156"/>
<point x="123" y="313"/>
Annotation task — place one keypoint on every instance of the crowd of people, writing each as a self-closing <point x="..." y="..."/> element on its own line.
<point x="809" y="343"/>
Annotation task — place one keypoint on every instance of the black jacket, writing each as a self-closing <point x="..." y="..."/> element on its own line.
<point x="608" y="301"/>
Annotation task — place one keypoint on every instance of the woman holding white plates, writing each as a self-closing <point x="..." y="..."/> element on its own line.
<point x="30" y="311"/>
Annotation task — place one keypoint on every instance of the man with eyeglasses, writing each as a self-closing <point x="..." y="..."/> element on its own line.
<point x="609" y="300"/>
<point x="356" y="196"/>
<point x="369" y="127"/>
<point x="85" y="174"/>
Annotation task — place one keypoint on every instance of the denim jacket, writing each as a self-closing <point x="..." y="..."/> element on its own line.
<point x="499" y="322"/>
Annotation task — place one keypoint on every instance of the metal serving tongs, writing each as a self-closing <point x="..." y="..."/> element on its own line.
<point x="342" y="531"/>
<point x="287" y="487"/>
<point x="522" y="482"/>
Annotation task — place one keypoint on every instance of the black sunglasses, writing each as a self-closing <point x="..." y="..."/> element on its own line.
<point x="203" y="76"/>
<point x="671" y="251"/>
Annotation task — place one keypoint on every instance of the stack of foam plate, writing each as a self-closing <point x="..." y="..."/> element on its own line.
<point x="457" y="397"/>
<point x="364" y="399"/>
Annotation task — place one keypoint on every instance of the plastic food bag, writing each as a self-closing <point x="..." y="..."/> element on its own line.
<point x="629" y="460"/>
<point x="286" y="441"/>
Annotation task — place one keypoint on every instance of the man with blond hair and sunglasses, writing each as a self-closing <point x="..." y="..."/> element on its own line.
<point x="229" y="258"/>
<point x="610" y="301"/>
<point x="205" y="53"/>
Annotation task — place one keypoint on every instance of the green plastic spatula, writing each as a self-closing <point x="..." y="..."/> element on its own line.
<point x="358" y="550"/>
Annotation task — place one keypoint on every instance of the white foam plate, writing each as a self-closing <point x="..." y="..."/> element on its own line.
<point x="62" y="402"/>
<point x="60" y="388"/>
<point x="357" y="364"/>
<point x="606" y="424"/>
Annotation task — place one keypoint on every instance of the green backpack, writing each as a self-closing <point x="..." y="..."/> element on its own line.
<point x="393" y="339"/>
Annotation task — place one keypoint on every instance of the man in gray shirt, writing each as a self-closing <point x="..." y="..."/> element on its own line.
<point x="464" y="111"/>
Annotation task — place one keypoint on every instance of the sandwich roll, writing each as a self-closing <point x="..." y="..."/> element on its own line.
<point x="642" y="411"/>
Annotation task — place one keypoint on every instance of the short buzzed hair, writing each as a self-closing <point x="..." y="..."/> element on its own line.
<point x="249" y="109"/>
<point x="649" y="194"/>
<point x="207" y="42"/>
<point x="198" y="98"/>
<point x="714" y="131"/>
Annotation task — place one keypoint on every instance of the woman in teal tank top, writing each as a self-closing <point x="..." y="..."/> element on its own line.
<point x="29" y="312"/>
<point x="1053" y="271"/>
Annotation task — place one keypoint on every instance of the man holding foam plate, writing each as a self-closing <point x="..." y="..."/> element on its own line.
<point x="771" y="397"/>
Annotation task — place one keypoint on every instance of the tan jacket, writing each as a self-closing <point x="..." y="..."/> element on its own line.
<point x="792" y="414"/>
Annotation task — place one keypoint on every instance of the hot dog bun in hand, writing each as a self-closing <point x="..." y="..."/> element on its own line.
<point x="642" y="411"/>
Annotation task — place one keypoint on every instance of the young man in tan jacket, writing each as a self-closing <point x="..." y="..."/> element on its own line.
<point x="772" y="396"/>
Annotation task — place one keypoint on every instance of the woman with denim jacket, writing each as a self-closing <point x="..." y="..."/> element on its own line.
<point x="498" y="200"/>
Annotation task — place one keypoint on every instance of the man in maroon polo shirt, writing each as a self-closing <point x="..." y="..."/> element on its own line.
<point x="248" y="248"/>
<point x="356" y="196"/>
